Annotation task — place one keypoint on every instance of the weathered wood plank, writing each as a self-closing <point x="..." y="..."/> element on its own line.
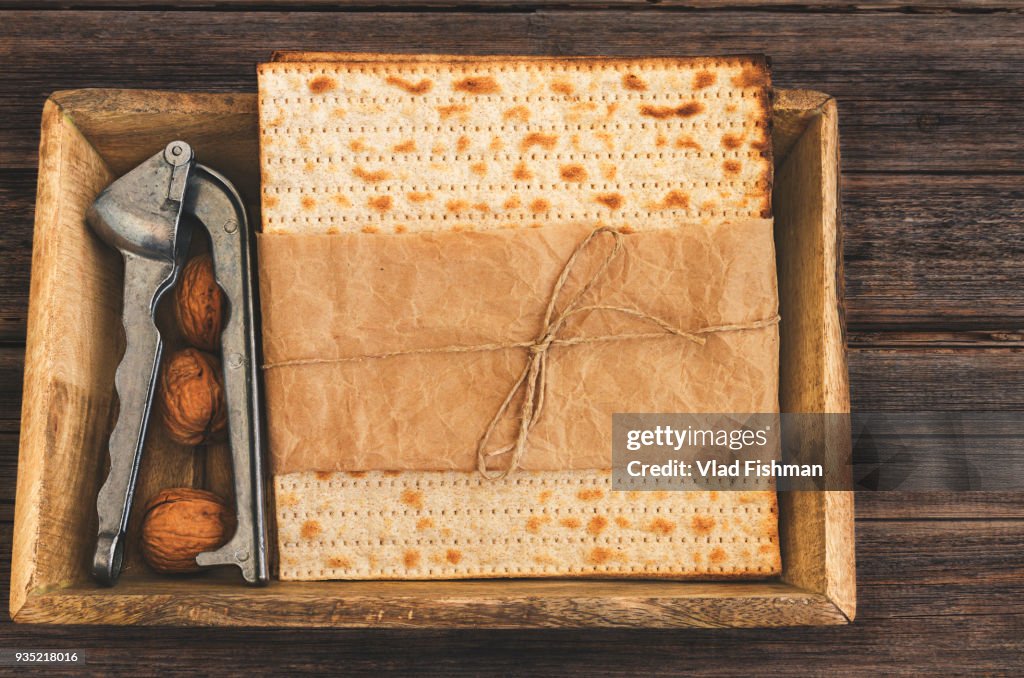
<point x="917" y="92"/>
<point x="938" y="250"/>
<point x="511" y="5"/>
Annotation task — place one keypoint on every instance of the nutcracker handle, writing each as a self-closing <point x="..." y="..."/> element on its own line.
<point x="213" y="201"/>
<point x="139" y="215"/>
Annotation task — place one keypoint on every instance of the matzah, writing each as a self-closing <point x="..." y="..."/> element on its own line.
<point x="407" y="144"/>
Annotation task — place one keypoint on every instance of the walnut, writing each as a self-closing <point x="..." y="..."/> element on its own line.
<point x="181" y="523"/>
<point x="192" y="398"/>
<point x="199" y="304"/>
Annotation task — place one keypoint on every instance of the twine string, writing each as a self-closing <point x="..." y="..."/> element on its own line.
<point x="533" y="379"/>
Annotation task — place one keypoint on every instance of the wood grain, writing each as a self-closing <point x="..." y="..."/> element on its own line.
<point x="917" y="92"/>
<point x="510" y="5"/>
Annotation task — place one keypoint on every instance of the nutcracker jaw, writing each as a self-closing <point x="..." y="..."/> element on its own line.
<point x="140" y="215"/>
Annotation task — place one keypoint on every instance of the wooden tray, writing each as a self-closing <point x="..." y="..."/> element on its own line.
<point x="89" y="137"/>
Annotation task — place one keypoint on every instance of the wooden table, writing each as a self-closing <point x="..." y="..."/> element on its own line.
<point x="930" y="95"/>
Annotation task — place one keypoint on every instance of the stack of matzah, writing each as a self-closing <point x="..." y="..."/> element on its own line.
<point x="365" y="159"/>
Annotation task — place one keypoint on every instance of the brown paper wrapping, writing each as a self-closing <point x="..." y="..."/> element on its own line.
<point x="345" y="300"/>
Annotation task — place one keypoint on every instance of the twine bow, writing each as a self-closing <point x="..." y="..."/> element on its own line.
<point x="533" y="380"/>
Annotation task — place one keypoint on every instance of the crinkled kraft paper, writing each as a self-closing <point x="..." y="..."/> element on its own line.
<point x="345" y="300"/>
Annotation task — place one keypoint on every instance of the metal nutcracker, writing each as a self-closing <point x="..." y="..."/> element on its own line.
<point x="146" y="216"/>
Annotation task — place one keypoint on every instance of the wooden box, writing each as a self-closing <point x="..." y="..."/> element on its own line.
<point x="89" y="137"/>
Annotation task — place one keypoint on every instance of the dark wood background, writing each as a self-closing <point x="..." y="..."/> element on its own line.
<point x="931" y="96"/>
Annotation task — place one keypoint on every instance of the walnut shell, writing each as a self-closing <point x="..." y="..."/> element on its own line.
<point x="192" y="398"/>
<point x="199" y="304"/>
<point x="180" y="523"/>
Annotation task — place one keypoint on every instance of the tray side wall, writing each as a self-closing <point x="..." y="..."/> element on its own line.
<point x="816" y="531"/>
<point x="71" y="302"/>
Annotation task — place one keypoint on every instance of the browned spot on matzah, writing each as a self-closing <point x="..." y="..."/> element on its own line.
<point x="400" y="228"/>
<point x="520" y="113"/>
<point x="750" y="76"/>
<point x="511" y="204"/>
<point x="497" y="144"/>
<point x="411" y="558"/>
<point x="546" y="141"/>
<point x="562" y="87"/>
<point x="333" y="230"/>
<point x="674" y="200"/>
<point x="424" y="523"/>
<point x="339" y="563"/>
<point x="370" y="229"/>
<point x="634" y="82"/>
<point x="704" y="79"/>
<point x="573" y="173"/>
<point x="413" y="498"/>
<point x="627" y="229"/>
<point x="453" y="556"/>
<point x="608" y="171"/>
<point x="437" y="149"/>
<point x="477" y="85"/>
<point x="452" y="109"/>
<point x="596" y="525"/>
<point x="702" y="525"/>
<point x="731" y="141"/>
<point x="610" y="109"/>
<point x="357" y="474"/>
<point x="610" y="200"/>
<point x="341" y="201"/>
<point x="590" y="494"/>
<point x="622" y="522"/>
<point x="415" y="196"/>
<point x="534" y="523"/>
<point x="599" y="555"/>
<point x="380" y="203"/>
<point x="765" y="548"/>
<point x="462" y="144"/>
<point x="321" y="84"/>
<point x="717" y="555"/>
<point x="339" y="112"/>
<point x="731" y="166"/>
<point x="544" y="496"/>
<point x="686" y="141"/>
<point x="322" y="475"/>
<point x="308" y="203"/>
<point x="310" y="529"/>
<point x="357" y="145"/>
<point x="660" y="140"/>
<point x="661" y="526"/>
<point x="373" y="176"/>
<point x="686" y="110"/>
<point x="540" y="205"/>
<point x="571" y="522"/>
<point x="392" y="474"/>
<point x="421" y="87"/>
<point x="270" y="201"/>
<point x="522" y="172"/>
<point x="456" y="205"/>
<point x="479" y="168"/>
<point x="303" y="142"/>
<point x="407" y="146"/>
